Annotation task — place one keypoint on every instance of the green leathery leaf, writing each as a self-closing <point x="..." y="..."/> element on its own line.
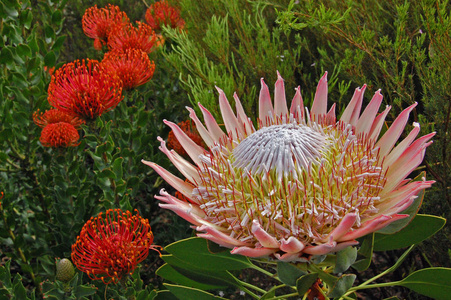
<point x="288" y="273"/>
<point x="84" y="290"/>
<point x="50" y="59"/>
<point x="195" y="251"/>
<point x="165" y="295"/>
<point x="343" y="284"/>
<point x="194" y="272"/>
<point x="106" y="173"/>
<point x="23" y="50"/>
<point x="344" y="259"/>
<point x="18" y="288"/>
<point x="305" y="282"/>
<point x="431" y="282"/>
<point x="169" y="273"/>
<point x="421" y="228"/>
<point x="117" y="166"/>
<point x="188" y="293"/>
<point x="6" y="56"/>
<point x="365" y="253"/>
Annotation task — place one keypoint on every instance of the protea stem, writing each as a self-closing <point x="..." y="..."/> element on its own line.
<point x="389" y="270"/>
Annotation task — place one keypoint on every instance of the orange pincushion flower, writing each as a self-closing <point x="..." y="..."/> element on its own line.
<point x="129" y="36"/>
<point x="162" y="13"/>
<point x="133" y="67"/>
<point x="59" y="135"/>
<point x="190" y="130"/>
<point x="98" y="22"/>
<point x="55" y="116"/>
<point x="84" y="89"/>
<point x="111" y="245"/>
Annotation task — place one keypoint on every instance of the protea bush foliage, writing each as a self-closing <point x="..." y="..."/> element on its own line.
<point x="225" y="149"/>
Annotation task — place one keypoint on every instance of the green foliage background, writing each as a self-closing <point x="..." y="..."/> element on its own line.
<point x="401" y="47"/>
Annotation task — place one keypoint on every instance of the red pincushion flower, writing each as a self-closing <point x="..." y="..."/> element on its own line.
<point x="133" y="67"/>
<point x="162" y="13"/>
<point x="84" y="89"/>
<point x="190" y="130"/>
<point x="111" y="245"/>
<point x="129" y="36"/>
<point x="59" y="135"/>
<point x="55" y="116"/>
<point x="98" y="22"/>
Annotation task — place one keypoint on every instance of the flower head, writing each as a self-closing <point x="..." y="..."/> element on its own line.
<point x="133" y="67"/>
<point x="55" y="116"/>
<point x="303" y="183"/>
<point x="98" y="22"/>
<point x="84" y="89"/>
<point x="129" y="36"/>
<point x="111" y="245"/>
<point x="189" y="128"/>
<point x="162" y="13"/>
<point x="59" y="135"/>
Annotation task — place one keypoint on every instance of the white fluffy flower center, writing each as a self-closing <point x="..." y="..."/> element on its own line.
<point x="285" y="148"/>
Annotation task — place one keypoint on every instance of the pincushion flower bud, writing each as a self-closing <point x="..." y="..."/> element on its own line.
<point x="302" y="183"/>
<point x="64" y="270"/>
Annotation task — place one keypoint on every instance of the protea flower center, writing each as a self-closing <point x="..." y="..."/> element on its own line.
<point x="303" y="183"/>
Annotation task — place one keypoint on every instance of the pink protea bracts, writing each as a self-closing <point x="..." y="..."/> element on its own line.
<point x="301" y="184"/>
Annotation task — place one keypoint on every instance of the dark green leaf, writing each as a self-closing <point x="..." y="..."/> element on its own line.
<point x="23" y="50"/>
<point x="195" y="251"/>
<point x="365" y="253"/>
<point x="305" y="282"/>
<point x="165" y="295"/>
<point x="58" y="43"/>
<point x="194" y="272"/>
<point x="169" y="273"/>
<point x="50" y="59"/>
<point x="117" y="167"/>
<point x="18" y="288"/>
<point x="5" y="275"/>
<point x="187" y="293"/>
<point x="343" y="284"/>
<point x="421" y="228"/>
<point x="431" y="282"/>
<point x="84" y="290"/>
<point x="289" y="273"/>
<point x="57" y="16"/>
<point x="344" y="259"/>
<point x="6" y="56"/>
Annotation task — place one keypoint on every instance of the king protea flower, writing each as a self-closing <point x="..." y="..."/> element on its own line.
<point x="303" y="183"/>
